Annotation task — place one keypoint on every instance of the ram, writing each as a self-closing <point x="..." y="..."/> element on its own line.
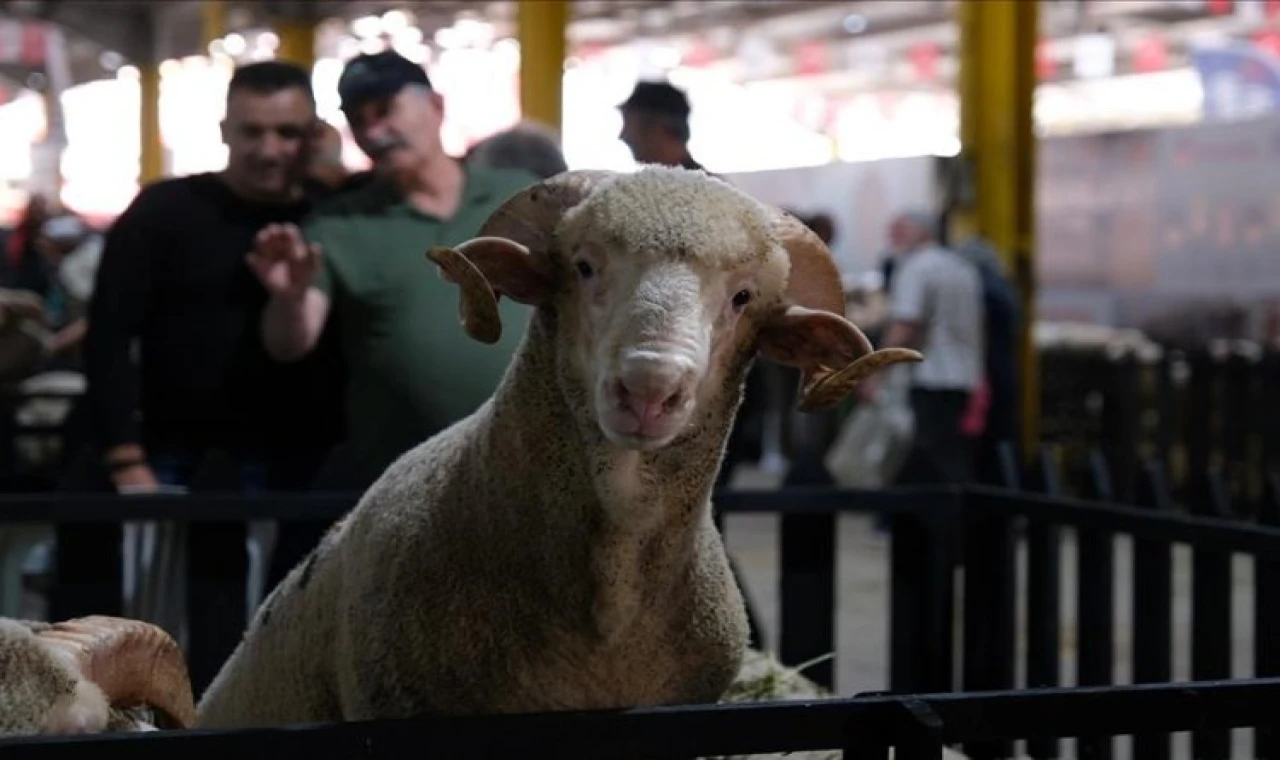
<point x="556" y="549"/>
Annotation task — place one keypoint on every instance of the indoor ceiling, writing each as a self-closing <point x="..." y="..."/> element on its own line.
<point x="129" y="28"/>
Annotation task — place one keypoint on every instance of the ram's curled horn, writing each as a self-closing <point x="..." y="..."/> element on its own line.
<point x="135" y="664"/>
<point x="478" y="307"/>
<point x="814" y="283"/>
<point x="531" y="217"/>
<point x="528" y="218"/>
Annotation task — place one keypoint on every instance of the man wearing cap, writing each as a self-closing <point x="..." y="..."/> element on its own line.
<point x="411" y="369"/>
<point x="655" y="125"/>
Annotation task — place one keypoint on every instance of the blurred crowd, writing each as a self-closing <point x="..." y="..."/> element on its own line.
<point x="277" y="311"/>
<point x="273" y="310"/>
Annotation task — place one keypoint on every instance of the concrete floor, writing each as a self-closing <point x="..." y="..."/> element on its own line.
<point x="862" y="606"/>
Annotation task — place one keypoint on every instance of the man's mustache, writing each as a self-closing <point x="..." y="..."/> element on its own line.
<point x="381" y="145"/>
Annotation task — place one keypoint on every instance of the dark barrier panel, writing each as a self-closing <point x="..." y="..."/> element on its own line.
<point x="917" y="726"/>
<point x="921" y="604"/>
<point x="937" y="536"/>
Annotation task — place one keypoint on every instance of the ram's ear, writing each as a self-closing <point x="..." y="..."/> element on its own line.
<point x="487" y="268"/>
<point x="831" y="352"/>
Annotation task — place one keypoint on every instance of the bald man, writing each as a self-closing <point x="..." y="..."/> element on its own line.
<point x="935" y="306"/>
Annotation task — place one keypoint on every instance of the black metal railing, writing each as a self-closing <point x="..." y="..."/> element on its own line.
<point x="916" y="727"/>
<point x="944" y="636"/>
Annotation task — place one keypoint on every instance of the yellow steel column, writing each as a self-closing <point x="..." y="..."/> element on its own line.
<point x="213" y="20"/>
<point x="152" y="163"/>
<point x="997" y="85"/>
<point x="542" y="25"/>
<point x="297" y="41"/>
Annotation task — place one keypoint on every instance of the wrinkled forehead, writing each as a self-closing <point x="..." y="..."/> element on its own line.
<point x="672" y="217"/>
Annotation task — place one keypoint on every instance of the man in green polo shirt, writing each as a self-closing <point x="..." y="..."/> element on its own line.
<point x="412" y="371"/>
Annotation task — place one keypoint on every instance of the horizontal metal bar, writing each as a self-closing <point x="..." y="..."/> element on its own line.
<point x="1203" y="532"/>
<point x="325" y="505"/>
<point x="196" y="507"/>
<point x="717" y="729"/>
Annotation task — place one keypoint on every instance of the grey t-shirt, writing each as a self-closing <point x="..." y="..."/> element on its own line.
<point x="942" y="292"/>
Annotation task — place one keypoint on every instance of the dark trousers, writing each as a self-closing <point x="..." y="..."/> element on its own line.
<point x="217" y="561"/>
<point x="939" y="453"/>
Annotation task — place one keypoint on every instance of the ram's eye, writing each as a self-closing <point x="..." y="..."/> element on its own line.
<point x="584" y="270"/>
<point x="741" y="299"/>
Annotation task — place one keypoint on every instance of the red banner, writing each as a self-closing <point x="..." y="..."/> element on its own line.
<point x="924" y="59"/>
<point x="1150" y="55"/>
<point x="33" y="45"/>
<point x="811" y="58"/>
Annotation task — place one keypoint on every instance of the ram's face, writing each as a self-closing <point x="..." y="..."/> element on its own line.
<point x="661" y="286"/>
<point x="660" y="307"/>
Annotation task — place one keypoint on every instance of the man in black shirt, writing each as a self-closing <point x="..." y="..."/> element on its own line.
<point x="173" y="276"/>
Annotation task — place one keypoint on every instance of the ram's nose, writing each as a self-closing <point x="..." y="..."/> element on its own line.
<point x="651" y="386"/>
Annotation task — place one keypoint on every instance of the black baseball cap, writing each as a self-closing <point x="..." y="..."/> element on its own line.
<point x="657" y="97"/>
<point x="377" y="75"/>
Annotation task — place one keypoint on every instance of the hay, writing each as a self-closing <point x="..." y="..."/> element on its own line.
<point x="762" y="678"/>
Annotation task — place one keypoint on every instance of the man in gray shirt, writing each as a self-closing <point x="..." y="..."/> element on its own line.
<point x="935" y="306"/>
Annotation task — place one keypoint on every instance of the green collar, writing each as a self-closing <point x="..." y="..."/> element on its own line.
<point x="475" y="192"/>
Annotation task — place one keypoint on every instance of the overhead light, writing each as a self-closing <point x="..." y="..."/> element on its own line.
<point x="110" y="60"/>
<point x="855" y="23"/>
<point x="395" y="20"/>
<point x="367" y="26"/>
<point x="419" y="54"/>
<point x="448" y="38"/>
<point x="234" y="44"/>
<point x="409" y="35"/>
<point x="1094" y="56"/>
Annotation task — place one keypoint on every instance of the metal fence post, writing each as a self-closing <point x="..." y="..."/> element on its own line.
<point x="990" y="576"/>
<point x="922" y="595"/>
<point x="1152" y="607"/>
<point x="807" y="586"/>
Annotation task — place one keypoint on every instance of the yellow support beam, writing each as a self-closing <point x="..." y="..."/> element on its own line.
<point x="152" y="156"/>
<point x="297" y="42"/>
<point x="542" y="25"/>
<point x="213" y="22"/>
<point x="997" y="86"/>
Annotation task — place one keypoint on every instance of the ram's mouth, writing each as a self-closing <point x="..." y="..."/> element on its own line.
<point x="626" y="434"/>
<point x="639" y="441"/>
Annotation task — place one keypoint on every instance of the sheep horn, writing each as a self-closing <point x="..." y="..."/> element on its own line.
<point x="134" y="663"/>
<point x="825" y="388"/>
<point x="478" y="308"/>
<point x="815" y="279"/>
<point x="815" y="284"/>
<point x="531" y="217"/>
